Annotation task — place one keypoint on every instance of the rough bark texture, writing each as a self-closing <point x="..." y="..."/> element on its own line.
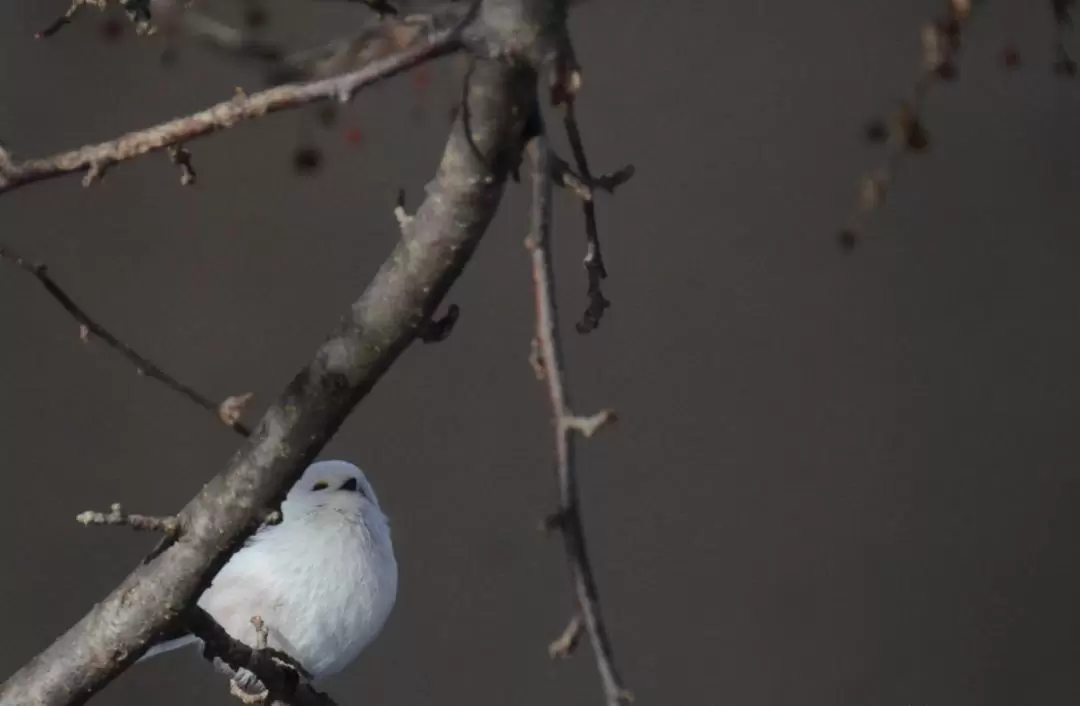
<point x="484" y="144"/>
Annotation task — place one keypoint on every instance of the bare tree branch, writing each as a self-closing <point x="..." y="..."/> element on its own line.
<point x="594" y="259"/>
<point x="227" y="411"/>
<point x="460" y="203"/>
<point x="416" y="45"/>
<point x="567" y="425"/>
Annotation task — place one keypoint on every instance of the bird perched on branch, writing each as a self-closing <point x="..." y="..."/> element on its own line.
<point x="323" y="581"/>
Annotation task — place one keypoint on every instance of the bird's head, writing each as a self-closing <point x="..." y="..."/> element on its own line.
<point x="337" y="484"/>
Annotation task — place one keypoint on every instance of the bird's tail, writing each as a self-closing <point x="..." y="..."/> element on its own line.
<point x="168" y="646"/>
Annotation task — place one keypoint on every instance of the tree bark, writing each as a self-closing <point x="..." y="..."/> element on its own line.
<point x="483" y="147"/>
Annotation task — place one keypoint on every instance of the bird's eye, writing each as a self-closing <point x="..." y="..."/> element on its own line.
<point x="351" y="485"/>
<point x="320" y="485"/>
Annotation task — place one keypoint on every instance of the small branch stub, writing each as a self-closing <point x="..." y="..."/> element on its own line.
<point x="232" y="408"/>
<point x="435" y="330"/>
<point x="588" y="426"/>
<point x="563" y="646"/>
<point x="180" y="156"/>
<point x="116" y="516"/>
<point x="404" y="220"/>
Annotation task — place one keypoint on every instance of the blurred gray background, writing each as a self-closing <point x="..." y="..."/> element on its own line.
<point x="838" y="478"/>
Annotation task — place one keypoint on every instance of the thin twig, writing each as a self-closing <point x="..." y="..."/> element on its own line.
<point x="116" y="516"/>
<point x="417" y="47"/>
<point x="438" y="329"/>
<point x="88" y="326"/>
<point x="594" y="259"/>
<point x="567" y="426"/>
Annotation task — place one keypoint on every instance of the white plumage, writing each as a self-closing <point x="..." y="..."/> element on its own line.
<point x="323" y="580"/>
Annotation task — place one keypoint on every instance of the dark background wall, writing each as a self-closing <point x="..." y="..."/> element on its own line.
<point x="838" y="479"/>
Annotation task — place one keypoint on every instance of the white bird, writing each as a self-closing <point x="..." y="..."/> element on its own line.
<point x="323" y="580"/>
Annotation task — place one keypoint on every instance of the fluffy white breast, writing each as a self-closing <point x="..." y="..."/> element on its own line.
<point x="324" y="582"/>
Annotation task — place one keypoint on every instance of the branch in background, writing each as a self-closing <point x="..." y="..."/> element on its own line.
<point x="594" y="260"/>
<point x="227" y="411"/>
<point x="460" y="203"/>
<point x="567" y="426"/>
<point x="906" y="133"/>
<point x="416" y="46"/>
<point x="227" y="40"/>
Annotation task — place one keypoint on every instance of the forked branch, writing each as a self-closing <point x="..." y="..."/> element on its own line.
<point x="567" y="426"/>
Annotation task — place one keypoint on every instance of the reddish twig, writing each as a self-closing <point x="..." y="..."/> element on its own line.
<point x="567" y="426"/>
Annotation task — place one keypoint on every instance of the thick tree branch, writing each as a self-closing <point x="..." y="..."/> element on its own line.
<point x="227" y="411"/>
<point x="415" y="45"/>
<point x="567" y="425"/>
<point x="446" y="229"/>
